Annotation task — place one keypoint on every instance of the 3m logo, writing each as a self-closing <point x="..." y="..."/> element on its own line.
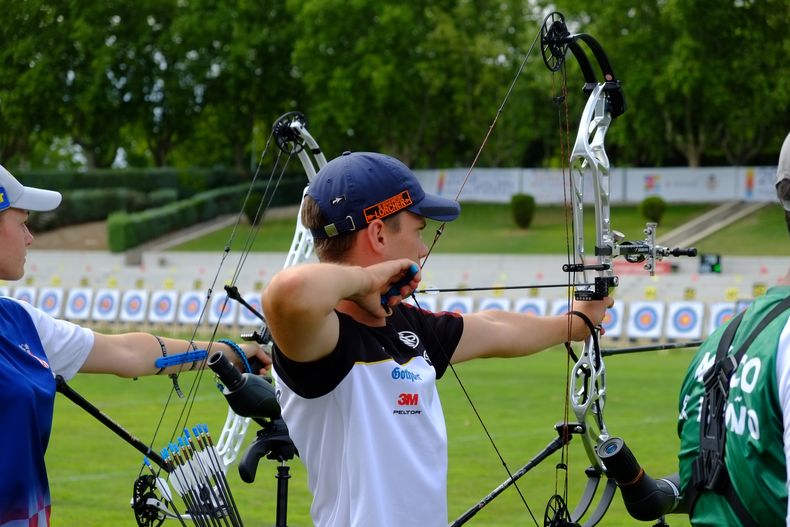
<point x="388" y="207"/>
<point x="407" y="403"/>
<point x="409" y="399"/>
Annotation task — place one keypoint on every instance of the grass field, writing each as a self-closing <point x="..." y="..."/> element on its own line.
<point x="481" y="228"/>
<point x="520" y="400"/>
<point x="92" y="471"/>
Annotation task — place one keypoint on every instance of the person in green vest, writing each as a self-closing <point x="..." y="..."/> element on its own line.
<point x="755" y="413"/>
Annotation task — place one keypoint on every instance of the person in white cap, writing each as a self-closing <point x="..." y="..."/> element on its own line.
<point x="356" y="373"/>
<point x="34" y="347"/>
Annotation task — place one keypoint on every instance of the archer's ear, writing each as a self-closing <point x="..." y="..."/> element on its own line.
<point x="375" y="235"/>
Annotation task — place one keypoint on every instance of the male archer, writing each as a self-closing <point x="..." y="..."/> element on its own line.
<point x="356" y="371"/>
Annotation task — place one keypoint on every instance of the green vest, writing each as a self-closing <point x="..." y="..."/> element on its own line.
<point x="754" y="449"/>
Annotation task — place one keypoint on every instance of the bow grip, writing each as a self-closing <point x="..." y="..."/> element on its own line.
<point x="394" y="290"/>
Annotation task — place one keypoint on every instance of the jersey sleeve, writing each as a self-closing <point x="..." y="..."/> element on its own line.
<point x="67" y="345"/>
<point x="440" y="333"/>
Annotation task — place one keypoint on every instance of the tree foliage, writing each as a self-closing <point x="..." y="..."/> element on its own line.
<point x="199" y="82"/>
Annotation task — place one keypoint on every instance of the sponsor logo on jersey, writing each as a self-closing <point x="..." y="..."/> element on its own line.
<point x="409" y="338"/>
<point x="406" y="400"/>
<point x="402" y="374"/>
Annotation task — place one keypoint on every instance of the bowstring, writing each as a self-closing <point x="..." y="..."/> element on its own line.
<point x="563" y="118"/>
<point x="440" y="231"/>
<point x="188" y="405"/>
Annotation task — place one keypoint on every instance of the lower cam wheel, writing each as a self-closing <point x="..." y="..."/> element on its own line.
<point x="556" y="514"/>
<point x="145" y="515"/>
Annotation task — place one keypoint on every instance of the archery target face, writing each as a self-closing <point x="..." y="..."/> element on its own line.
<point x="724" y="316"/>
<point x="105" y="304"/>
<point x="49" y="302"/>
<point x="78" y="302"/>
<point x="191" y="306"/>
<point x="133" y="304"/>
<point x="685" y="319"/>
<point x="610" y="319"/>
<point x="459" y="305"/>
<point x="646" y="318"/>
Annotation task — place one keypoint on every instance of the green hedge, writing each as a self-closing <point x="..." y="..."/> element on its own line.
<point x="186" y="181"/>
<point x="84" y="205"/>
<point x="127" y="230"/>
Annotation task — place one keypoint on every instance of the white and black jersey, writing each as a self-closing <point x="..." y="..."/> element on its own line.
<point x="368" y="423"/>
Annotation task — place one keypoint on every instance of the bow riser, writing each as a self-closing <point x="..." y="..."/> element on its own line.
<point x="292" y="137"/>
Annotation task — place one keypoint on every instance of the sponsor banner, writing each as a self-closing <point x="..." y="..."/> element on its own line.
<point x="50" y="301"/>
<point x="163" y="307"/>
<point x="133" y="305"/>
<point x="631" y="185"/>
<point x="684" y="320"/>
<point x="534" y="306"/>
<point x="190" y="307"/>
<point x="645" y="320"/>
<point x="106" y="305"/>
<point x="458" y="304"/>
<point x="78" y="304"/>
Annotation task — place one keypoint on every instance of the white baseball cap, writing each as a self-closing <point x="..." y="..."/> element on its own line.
<point x="14" y="194"/>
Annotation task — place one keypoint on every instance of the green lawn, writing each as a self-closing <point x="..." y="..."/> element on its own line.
<point x="481" y="228"/>
<point x="520" y="400"/>
<point x="763" y="233"/>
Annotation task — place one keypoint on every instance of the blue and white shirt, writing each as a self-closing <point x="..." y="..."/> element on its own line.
<point x="33" y="348"/>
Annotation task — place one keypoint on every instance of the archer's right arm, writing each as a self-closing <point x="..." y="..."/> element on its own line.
<point x="299" y="304"/>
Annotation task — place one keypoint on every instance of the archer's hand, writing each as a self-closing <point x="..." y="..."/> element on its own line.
<point x="253" y="350"/>
<point x="595" y="311"/>
<point x="380" y="279"/>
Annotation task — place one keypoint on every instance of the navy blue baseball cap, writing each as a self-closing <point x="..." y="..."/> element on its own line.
<point x="358" y="187"/>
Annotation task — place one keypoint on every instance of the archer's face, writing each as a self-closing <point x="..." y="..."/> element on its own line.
<point x="407" y="239"/>
<point x="14" y="240"/>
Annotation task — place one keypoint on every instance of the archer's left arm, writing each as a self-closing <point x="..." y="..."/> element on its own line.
<point x="506" y="334"/>
<point x="134" y="354"/>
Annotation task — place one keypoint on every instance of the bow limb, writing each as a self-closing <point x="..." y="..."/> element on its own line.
<point x="291" y="136"/>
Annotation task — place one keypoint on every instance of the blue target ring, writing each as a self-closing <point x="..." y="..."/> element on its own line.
<point x="646" y="318"/>
<point x="78" y="302"/>
<point x="49" y="302"/>
<point x="163" y="306"/>
<point x="531" y="309"/>
<point x="456" y="307"/>
<point x="105" y="304"/>
<point x="218" y="308"/>
<point x="25" y="296"/>
<point x="191" y="306"/>
<point x="685" y="319"/>
<point x="724" y="316"/>
<point x="134" y="304"/>
<point x="610" y="319"/>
